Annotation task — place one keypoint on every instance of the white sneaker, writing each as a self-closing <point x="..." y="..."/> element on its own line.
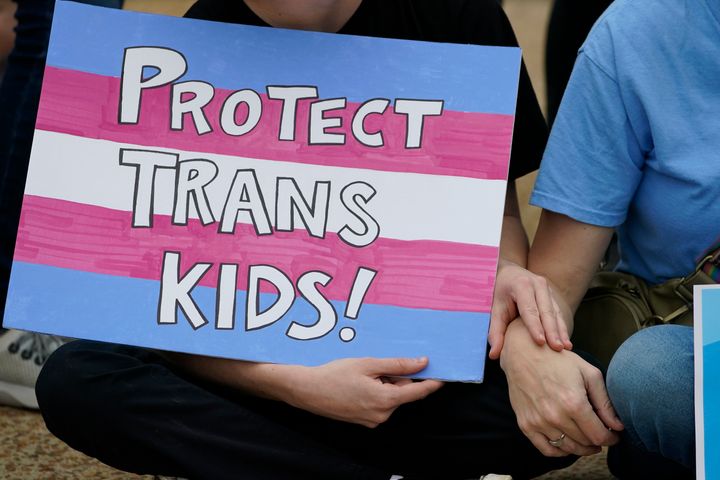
<point x="22" y="355"/>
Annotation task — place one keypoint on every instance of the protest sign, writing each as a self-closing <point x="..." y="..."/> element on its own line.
<point x="707" y="380"/>
<point x="265" y="194"/>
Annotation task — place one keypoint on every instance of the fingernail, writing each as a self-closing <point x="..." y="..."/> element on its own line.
<point x="421" y="359"/>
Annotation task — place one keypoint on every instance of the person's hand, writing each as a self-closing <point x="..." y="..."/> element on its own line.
<point x="519" y="292"/>
<point x="365" y="391"/>
<point x="557" y="396"/>
<point x="360" y="390"/>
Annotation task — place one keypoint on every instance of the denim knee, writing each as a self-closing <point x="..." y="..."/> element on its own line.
<point x="650" y="383"/>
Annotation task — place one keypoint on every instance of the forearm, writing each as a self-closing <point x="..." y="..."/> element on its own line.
<point x="567" y="253"/>
<point x="266" y="380"/>
<point x="514" y="242"/>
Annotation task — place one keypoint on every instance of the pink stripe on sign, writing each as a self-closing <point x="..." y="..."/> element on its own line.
<point x="474" y="145"/>
<point x="418" y="274"/>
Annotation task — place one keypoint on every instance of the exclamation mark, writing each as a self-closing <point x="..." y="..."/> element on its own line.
<point x="363" y="278"/>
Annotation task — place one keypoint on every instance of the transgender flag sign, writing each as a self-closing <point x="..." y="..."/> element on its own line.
<point x="265" y="194"/>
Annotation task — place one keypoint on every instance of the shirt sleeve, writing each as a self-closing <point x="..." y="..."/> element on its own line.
<point x="593" y="163"/>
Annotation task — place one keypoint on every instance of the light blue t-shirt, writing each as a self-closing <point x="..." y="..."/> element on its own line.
<point x="636" y="143"/>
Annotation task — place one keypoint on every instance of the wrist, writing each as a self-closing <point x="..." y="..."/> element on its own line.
<point x="518" y="344"/>
<point x="267" y="380"/>
<point x="506" y="262"/>
<point x="511" y="259"/>
<point x="295" y="385"/>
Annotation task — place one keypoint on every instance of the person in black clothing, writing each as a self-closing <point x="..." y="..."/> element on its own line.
<point x="200" y="417"/>
<point x="570" y="23"/>
<point x="22" y="353"/>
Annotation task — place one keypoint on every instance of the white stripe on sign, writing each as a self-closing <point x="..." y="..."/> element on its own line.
<point x="406" y="206"/>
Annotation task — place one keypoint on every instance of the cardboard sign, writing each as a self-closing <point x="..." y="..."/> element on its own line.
<point x="265" y="194"/>
<point x="707" y="380"/>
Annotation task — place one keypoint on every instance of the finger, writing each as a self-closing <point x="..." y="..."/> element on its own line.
<point x="528" y="309"/>
<point x="496" y="345"/>
<point x="415" y="391"/>
<point x="591" y="425"/>
<point x="570" y="446"/>
<point x="399" y="381"/>
<point x="597" y="393"/>
<point x="548" y="318"/>
<point x="573" y="431"/>
<point x="496" y="335"/>
<point x="564" y="333"/>
<point x="541" y="443"/>
<point x="584" y="415"/>
<point x="559" y="417"/>
<point x="396" y="366"/>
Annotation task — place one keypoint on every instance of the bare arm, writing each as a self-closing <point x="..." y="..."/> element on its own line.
<point x="555" y="393"/>
<point x="354" y="390"/>
<point x="567" y="253"/>
<point x="266" y="380"/>
<point x="514" y="242"/>
<point x="519" y="292"/>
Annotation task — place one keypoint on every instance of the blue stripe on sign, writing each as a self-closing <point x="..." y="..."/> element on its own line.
<point x="469" y="78"/>
<point x="123" y="310"/>
<point x="710" y="310"/>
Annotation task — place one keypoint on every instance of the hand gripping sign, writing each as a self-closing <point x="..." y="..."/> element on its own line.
<point x="265" y="194"/>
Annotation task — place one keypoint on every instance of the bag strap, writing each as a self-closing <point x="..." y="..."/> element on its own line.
<point x="707" y="272"/>
<point x="711" y="263"/>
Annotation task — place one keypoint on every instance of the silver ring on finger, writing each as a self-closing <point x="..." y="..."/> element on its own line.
<point x="557" y="442"/>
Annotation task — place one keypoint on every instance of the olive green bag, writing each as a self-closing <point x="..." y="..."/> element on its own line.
<point x="619" y="304"/>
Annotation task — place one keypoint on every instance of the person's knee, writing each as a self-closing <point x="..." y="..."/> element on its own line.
<point x="654" y="360"/>
<point x="54" y="387"/>
<point x="64" y="392"/>
<point x="650" y="385"/>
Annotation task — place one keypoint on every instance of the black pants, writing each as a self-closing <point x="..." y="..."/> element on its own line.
<point x="127" y="407"/>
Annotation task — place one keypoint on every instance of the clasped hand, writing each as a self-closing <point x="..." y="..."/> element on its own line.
<point x="560" y="400"/>
<point x="521" y="293"/>
<point x="557" y="394"/>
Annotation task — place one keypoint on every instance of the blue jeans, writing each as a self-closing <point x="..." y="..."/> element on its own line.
<point x="650" y="382"/>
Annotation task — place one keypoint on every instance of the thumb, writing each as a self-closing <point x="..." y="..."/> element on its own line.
<point x="496" y="335"/>
<point x="397" y="366"/>
<point x="414" y="391"/>
<point x="598" y="396"/>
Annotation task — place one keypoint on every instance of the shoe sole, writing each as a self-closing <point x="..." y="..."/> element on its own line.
<point x="15" y="395"/>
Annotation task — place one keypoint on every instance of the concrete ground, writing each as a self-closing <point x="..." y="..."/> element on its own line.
<point x="29" y="452"/>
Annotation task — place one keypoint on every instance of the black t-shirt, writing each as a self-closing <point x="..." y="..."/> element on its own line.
<point x="480" y="22"/>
